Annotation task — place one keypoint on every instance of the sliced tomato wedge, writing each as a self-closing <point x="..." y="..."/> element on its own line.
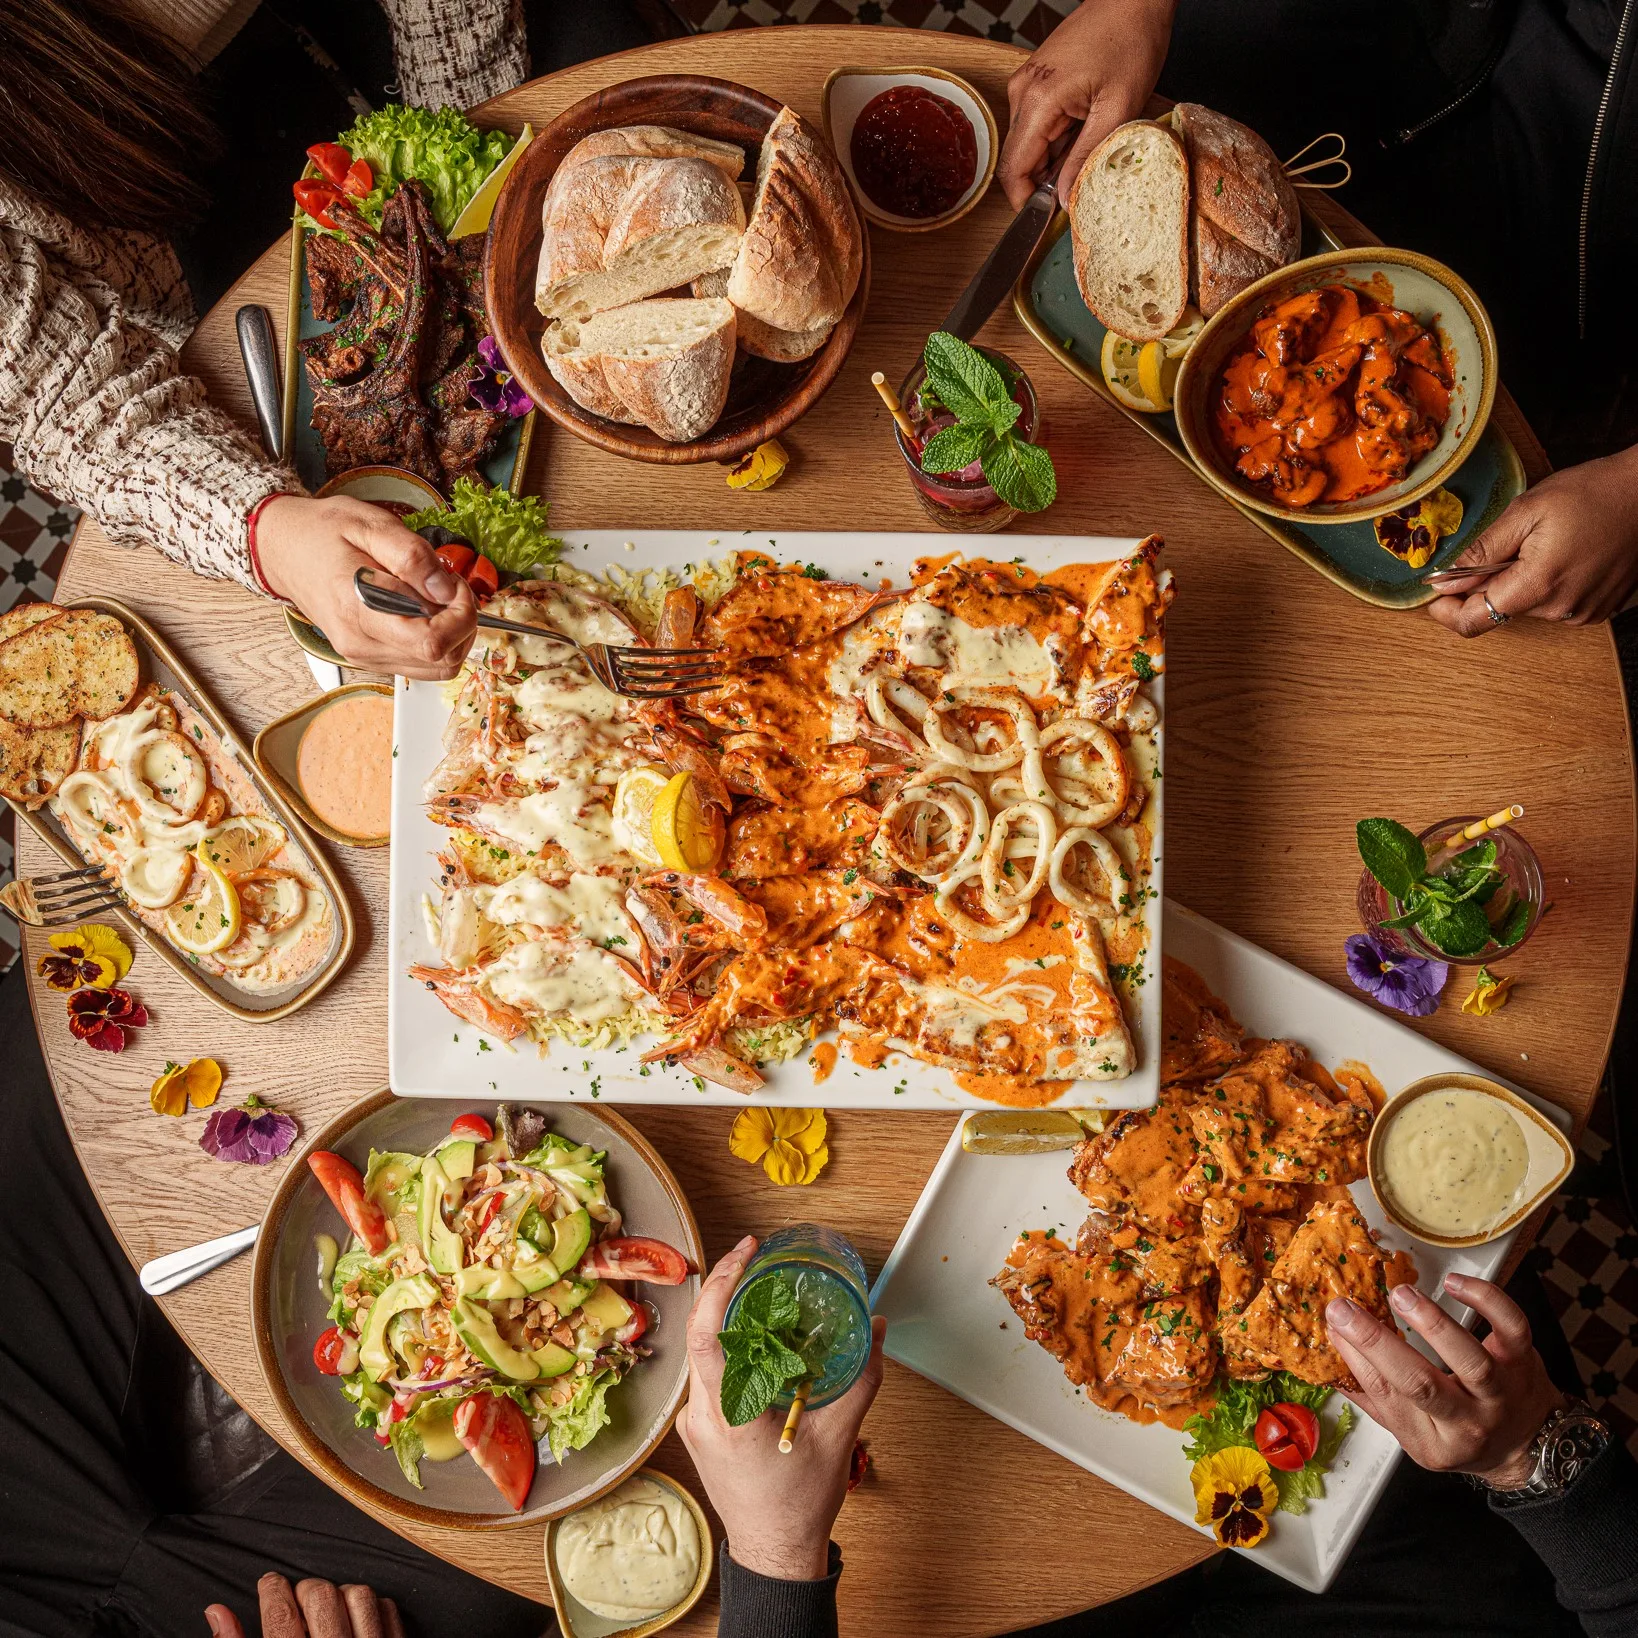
<point x="1302" y="1427"/>
<point x="635" y="1259"/>
<point x="1276" y="1444"/>
<point x="331" y="160"/>
<point x="635" y="1326"/>
<point x="316" y="198"/>
<point x="343" y="1183"/>
<point x="497" y="1434"/>
<point x="468" y="1126"/>
<point x="458" y="559"/>
<point x="483" y="578"/>
<point x="490" y="1207"/>
<point x="327" y="1351"/>
<point x="358" y="179"/>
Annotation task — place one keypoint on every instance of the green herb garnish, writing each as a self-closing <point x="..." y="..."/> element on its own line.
<point x="758" y="1359"/>
<point x="1460" y="908"/>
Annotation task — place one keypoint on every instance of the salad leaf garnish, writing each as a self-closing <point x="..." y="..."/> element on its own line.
<point x="510" y="530"/>
<point x="445" y="150"/>
<point x="1234" y="1417"/>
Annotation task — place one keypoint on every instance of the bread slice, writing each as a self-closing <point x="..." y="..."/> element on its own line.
<point x="1129" y="218"/>
<point x="35" y="761"/>
<point x="667" y="362"/>
<point x="759" y="339"/>
<point x="37" y="676"/>
<point x="803" y="251"/>
<point x="23" y="615"/>
<point x="622" y="229"/>
<point x="653" y="142"/>
<point x="106" y="670"/>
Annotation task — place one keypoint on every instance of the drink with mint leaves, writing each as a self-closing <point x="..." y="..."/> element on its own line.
<point x="801" y="1313"/>
<point x="982" y="408"/>
<point x="1438" y="896"/>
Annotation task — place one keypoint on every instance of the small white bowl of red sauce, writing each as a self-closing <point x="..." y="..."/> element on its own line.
<point x="919" y="145"/>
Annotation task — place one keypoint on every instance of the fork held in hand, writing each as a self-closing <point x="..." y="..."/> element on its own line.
<point x="638" y="673"/>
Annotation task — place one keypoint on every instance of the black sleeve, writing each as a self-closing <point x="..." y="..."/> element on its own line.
<point x="1588" y="1538"/>
<point x="759" y="1606"/>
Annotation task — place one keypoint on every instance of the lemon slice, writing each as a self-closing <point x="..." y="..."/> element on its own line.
<point x="1179" y="340"/>
<point x="1157" y="373"/>
<point x="474" y="217"/>
<point x="241" y="843"/>
<point x="1120" y="373"/>
<point x="1028" y="1131"/>
<point x="634" y="799"/>
<point x="203" y="922"/>
<point x="682" y="830"/>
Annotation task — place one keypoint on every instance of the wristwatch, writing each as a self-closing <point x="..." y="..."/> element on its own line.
<point x="1571" y="1438"/>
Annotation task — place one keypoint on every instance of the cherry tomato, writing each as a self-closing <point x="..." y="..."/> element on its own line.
<point x="635" y="1326"/>
<point x="1301" y="1425"/>
<point x="345" y="1186"/>
<point x="483" y="578"/>
<point x="469" y="1126"/>
<point x="327" y="1351"/>
<point x="1275" y="1443"/>
<point x="635" y="1259"/>
<point x="331" y="161"/>
<point x="316" y="198"/>
<point x="359" y="180"/>
<point x="458" y="559"/>
<point x="497" y="1434"/>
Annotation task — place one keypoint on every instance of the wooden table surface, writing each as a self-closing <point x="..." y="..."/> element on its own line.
<point x="1294" y="710"/>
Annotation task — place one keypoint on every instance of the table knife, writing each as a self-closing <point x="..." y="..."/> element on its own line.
<point x="992" y="282"/>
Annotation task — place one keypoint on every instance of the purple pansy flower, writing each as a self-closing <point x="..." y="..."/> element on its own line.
<point x="1407" y="983"/>
<point x="252" y="1133"/>
<point x="495" y="388"/>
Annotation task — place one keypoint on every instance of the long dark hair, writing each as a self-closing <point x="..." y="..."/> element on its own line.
<point x="101" y="115"/>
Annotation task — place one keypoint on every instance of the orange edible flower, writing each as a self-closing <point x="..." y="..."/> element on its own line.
<point x="194" y="1084"/>
<point x="790" y="1143"/>
<point x="89" y="956"/>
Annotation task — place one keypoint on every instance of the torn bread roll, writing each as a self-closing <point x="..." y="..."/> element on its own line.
<point x="664" y="364"/>
<point x="763" y="340"/>
<point x="653" y="142"/>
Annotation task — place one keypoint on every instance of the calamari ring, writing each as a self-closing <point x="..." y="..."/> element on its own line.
<point x="1108" y="861"/>
<point x="1000" y="896"/>
<point x="1107" y="805"/>
<point x="969" y="927"/>
<point x="1026" y="730"/>
<point x="937" y="790"/>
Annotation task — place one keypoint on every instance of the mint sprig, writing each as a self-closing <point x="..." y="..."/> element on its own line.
<point x="1456" y="909"/>
<point x="962" y="380"/>
<point x="758" y="1359"/>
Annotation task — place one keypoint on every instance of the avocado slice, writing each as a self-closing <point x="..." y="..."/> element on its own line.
<point x="439" y="1241"/>
<point x="413" y="1291"/>
<point x="435" y="1422"/>
<point x="607" y="1308"/>
<point x="488" y="1284"/>
<point x="459" y="1158"/>
<point x="476" y="1328"/>
<point x="533" y="1273"/>
<point x="387" y="1176"/>
<point x="568" y="1294"/>
<point x="571" y="1236"/>
<point x="552" y="1360"/>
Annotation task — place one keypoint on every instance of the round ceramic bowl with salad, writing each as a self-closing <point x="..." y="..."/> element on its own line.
<point x="480" y="1321"/>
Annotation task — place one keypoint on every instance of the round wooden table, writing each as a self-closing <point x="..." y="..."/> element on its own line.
<point x="1294" y="710"/>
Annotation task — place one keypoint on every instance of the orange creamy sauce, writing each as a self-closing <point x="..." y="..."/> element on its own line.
<point x="344" y="765"/>
<point x="1331" y="396"/>
<point x="823" y="1060"/>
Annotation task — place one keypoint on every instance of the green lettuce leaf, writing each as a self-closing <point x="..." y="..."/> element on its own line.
<point x="1308" y="1482"/>
<point x="370" y="1398"/>
<point x="573" y="1426"/>
<point x="445" y="150"/>
<point x="408" y="1447"/>
<point x="510" y="530"/>
<point x="372" y="1276"/>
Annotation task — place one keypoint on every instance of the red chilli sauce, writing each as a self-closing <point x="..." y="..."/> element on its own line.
<point x="914" y="154"/>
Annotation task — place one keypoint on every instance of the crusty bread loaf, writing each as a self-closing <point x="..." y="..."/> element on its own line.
<point x="666" y="362"/>
<point x="1129" y="218"/>
<point x="622" y="228"/>
<point x="653" y="142"/>
<point x="802" y="255"/>
<point x="759" y="339"/>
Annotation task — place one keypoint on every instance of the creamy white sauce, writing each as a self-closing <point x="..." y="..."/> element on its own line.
<point x="590" y="905"/>
<point x="573" y="813"/>
<point x="974" y="656"/>
<point x="586" y="985"/>
<point x="1454" y="1161"/>
<point x="631" y="1555"/>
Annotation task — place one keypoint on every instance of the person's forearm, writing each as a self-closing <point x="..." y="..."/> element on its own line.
<point x="760" y="1606"/>
<point x="1588" y="1538"/>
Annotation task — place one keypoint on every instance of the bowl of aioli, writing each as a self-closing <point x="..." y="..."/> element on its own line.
<point x="630" y="1563"/>
<point x="1457" y="1160"/>
<point x="331" y="760"/>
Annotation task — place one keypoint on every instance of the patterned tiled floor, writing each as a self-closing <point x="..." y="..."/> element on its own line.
<point x="1588" y="1254"/>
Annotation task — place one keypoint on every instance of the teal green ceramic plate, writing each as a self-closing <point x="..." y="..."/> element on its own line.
<point x="1049" y="303"/>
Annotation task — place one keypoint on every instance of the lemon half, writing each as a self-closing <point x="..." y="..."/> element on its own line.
<point x="1027" y="1131"/>
<point x="1120" y="360"/>
<point x="683" y="832"/>
<point x="205" y="921"/>
<point x="634" y="798"/>
<point x="241" y="843"/>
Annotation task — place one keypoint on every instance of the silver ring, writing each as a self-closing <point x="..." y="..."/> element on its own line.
<point x="1497" y="618"/>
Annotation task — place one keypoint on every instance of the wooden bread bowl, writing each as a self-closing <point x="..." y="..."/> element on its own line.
<point x="765" y="397"/>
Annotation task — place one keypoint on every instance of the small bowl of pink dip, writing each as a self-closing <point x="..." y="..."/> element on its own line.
<point x="332" y="760"/>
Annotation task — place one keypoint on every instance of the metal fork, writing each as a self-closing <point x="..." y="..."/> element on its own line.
<point x="61" y="900"/>
<point x="638" y="673"/>
<point x="1479" y="571"/>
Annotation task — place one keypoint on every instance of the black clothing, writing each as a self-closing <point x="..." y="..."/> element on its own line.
<point x="759" y="1606"/>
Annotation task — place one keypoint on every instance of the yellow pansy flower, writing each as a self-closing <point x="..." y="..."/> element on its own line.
<point x="1489" y="994"/>
<point x="762" y="468"/>
<point x="1234" y="1493"/>
<point x="1413" y="532"/>
<point x="89" y="955"/>
<point x="195" y="1083"/>
<point x="790" y="1143"/>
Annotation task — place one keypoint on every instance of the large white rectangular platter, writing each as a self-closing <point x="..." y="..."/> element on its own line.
<point x="944" y="1319"/>
<point x="432" y="1054"/>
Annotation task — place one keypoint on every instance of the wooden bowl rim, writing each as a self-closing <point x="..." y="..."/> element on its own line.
<point x="1521" y="1107"/>
<point x="522" y="349"/>
<point x="1188" y="396"/>
<point x="357" y="1489"/>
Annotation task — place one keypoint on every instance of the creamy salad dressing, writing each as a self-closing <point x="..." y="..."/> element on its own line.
<point x="1454" y="1161"/>
<point x="633" y="1554"/>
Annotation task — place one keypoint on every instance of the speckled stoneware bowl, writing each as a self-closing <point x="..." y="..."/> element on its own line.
<point x="1405" y="278"/>
<point x="288" y="1312"/>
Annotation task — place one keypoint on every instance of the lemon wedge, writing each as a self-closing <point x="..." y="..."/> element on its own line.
<point x="474" y="217"/>
<point x="683" y="832"/>
<point x="1157" y="373"/>
<point x="203" y="922"/>
<point x="241" y="843"/>
<point x="1120" y="359"/>
<point x="1027" y="1131"/>
<point x="1179" y="340"/>
<point x="634" y="798"/>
